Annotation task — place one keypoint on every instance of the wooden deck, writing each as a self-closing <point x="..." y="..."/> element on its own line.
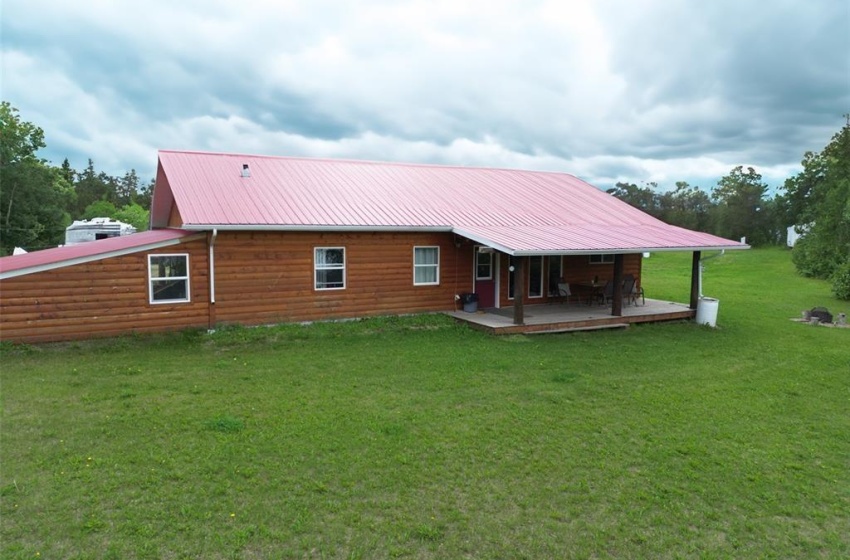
<point x="560" y="317"/>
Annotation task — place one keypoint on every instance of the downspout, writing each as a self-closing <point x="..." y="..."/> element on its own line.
<point x="212" y="265"/>
<point x="702" y="268"/>
<point x="456" y="243"/>
<point x="211" y="319"/>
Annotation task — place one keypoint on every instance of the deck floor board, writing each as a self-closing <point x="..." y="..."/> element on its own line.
<point x="565" y="317"/>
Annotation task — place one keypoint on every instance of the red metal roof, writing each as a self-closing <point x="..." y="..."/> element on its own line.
<point x="85" y="252"/>
<point x="519" y="212"/>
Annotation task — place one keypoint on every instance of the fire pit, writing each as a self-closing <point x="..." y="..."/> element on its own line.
<point x="822" y="314"/>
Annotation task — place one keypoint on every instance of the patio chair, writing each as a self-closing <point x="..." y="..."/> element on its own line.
<point x="638" y="291"/>
<point x="564" y="291"/>
<point x="607" y="293"/>
<point x="628" y="288"/>
<point x="631" y="291"/>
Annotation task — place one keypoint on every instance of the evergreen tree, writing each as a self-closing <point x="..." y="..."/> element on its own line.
<point x="90" y="187"/>
<point x="127" y="188"/>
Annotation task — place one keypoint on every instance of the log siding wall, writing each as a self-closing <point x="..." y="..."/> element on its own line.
<point x="105" y="297"/>
<point x="268" y="277"/>
<point x="260" y="278"/>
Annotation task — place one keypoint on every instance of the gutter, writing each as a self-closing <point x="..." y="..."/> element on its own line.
<point x="255" y="227"/>
<point x="634" y="251"/>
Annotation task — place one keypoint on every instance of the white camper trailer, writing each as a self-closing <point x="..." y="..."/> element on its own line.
<point x="83" y="231"/>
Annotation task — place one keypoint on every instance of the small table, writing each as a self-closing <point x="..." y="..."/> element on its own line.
<point x="593" y="289"/>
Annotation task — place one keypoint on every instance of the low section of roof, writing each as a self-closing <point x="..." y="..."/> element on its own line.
<point x="58" y="257"/>
<point x="516" y="211"/>
<point x="589" y="239"/>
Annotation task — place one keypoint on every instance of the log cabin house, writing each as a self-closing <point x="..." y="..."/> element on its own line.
<point x="258" y="240"/>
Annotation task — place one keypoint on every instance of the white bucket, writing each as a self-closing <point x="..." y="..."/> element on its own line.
<point x="707" y="311"/>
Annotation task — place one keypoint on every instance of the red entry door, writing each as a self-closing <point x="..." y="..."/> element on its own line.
<point x="485" y="278"/>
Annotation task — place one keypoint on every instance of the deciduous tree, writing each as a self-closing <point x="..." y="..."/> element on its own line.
<point x="819" y="198"/>
<point x="134" y="215"/>
<point x="741" y="209"/>
<point x="686" y="206"/>
<point x="33" y="195"/>
<point x="643" y="198"/>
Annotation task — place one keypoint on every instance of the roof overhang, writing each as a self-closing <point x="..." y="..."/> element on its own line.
<point x="491" y="241"/>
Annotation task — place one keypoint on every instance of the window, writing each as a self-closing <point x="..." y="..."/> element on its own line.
<point x="483" y="266"/>
<point x="426" y="266"/>
<point x="535" y="277"/>
<point x="168" y="278"/>
<point x="601" y="259"/>
<point x="329" y="267"/>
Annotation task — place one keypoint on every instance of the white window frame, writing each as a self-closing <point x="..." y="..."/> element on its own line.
<point x="435" y="266"/>
<point x="152" y="279"/>
<point x="601" y="258"/>
<point x="478" y="255"/>
<point x="317" y="268"/>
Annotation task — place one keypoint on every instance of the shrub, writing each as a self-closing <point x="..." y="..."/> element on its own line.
<point x="814" y="258"/>
<point x="841" y="281"/>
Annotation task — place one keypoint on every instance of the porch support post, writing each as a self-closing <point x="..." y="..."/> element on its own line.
<point x="519" y="290"/>
<point x="617" y="304"/>
<point x="695" y="279"/>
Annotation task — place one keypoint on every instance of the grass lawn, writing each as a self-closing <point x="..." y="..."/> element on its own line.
<point x="419" y="438"/>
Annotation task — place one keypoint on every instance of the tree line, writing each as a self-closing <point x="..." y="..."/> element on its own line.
<point x="737" y="207"/>
<point x="816" y="201"/>
<point x="39" y="200"/>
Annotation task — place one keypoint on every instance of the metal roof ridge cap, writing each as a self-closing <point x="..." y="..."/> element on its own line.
<point x="376" y="162"/>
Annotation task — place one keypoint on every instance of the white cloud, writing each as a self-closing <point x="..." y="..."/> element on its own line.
<point x="606" y="90"/>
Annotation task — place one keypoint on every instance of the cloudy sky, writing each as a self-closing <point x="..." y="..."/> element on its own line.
<point x="607" y="90"/>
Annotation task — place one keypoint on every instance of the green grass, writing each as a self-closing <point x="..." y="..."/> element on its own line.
<point x="419" y="438"/>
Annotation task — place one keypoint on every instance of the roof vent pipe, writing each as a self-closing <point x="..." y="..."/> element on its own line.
<point x="246" y="171"/>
